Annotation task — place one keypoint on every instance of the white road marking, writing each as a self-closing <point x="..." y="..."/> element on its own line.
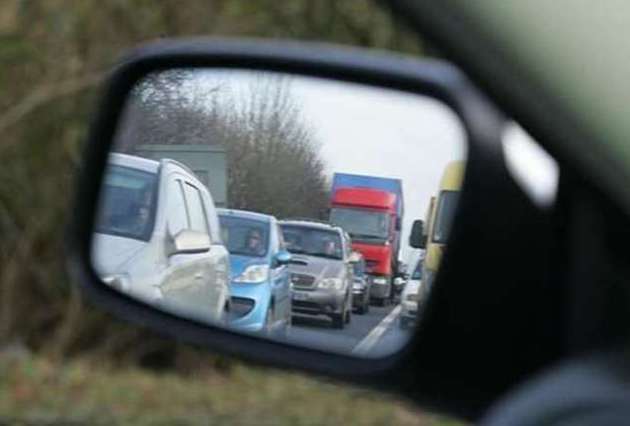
<point x="368" y="342"/>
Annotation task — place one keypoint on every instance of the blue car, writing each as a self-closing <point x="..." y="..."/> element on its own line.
<point x="260" y="292"/>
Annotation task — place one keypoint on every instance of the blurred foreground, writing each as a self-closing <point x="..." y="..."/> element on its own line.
<point x="36" y="390"/>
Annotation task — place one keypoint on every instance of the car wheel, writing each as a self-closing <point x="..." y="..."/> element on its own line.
<point x="338" y="320"/>
<point x="287" y="326"/>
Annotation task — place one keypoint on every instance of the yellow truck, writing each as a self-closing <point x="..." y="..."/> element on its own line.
<point x="432" y="234"/>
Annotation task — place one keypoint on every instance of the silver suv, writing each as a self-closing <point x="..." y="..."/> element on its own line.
<point x="157" y="238"/>
<point x="321" y="269"/>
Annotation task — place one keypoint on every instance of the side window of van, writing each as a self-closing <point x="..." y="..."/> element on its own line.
<point x="198" y="219"/>
<point x="177" y="219"/>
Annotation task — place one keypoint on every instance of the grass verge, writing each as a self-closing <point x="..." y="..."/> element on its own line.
<point x="33" y="389"/>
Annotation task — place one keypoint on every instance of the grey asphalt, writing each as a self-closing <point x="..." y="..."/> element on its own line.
<point x="317" y="332"/>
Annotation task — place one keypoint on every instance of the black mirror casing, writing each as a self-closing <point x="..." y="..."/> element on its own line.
<point x="431" y="369"/>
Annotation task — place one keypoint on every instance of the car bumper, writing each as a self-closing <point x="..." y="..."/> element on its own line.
<point x="250" y="303"/>
<point x="380" y="290"/>
<point x="317" y="302"/>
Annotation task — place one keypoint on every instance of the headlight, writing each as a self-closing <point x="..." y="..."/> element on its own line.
<point x="120" y="282"/>
<point x="331" y="283"/>
<point x="253" y="274"/>
<point x="379" y="280"/>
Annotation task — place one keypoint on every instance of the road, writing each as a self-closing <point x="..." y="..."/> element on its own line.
<point x="374" y="334"/>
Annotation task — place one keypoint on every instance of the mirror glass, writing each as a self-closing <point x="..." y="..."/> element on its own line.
<point x="280" y="205"/>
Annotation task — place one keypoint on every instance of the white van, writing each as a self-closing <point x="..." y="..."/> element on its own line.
<point x="157" y="238"/>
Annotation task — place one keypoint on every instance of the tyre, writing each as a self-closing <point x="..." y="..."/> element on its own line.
<point x="364" y="307"/>
<point x="287" y="327"/>
<point x="338" y="320"/>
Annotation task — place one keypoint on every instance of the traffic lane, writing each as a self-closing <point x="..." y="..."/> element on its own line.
<point x="317" y="332"/>
<point x="391" y="340"/>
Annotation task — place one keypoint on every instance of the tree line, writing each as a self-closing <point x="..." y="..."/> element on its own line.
<point x="273" y="160"/>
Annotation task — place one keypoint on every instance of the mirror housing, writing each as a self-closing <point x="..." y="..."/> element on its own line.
<point x="417" y="239"/>
<point x="190" y="242"/>
<point x="433" y="367"/>
<point x="283" y="257"/>
<point x="398" y="281"/>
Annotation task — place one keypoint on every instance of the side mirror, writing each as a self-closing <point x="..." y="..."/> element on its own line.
<point x="398" y="281"/>
<point x="283" y="257"/>
<point x="190" y="242"/>
<point x="416" y="238"/>
<point x="423" y="90"/>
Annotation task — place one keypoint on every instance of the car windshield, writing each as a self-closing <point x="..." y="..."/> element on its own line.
<point x="312" y="241"/>
<point x="361" y="224"/>
<point x="127" y="203"/>
<point x="417" y="273"/>
<point x="447" y="204"/>
<point x="247" y="237"/>
<point x="359" y="268"/>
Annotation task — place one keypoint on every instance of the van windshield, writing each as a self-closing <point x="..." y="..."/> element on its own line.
<point x="127" y="206"/>
<point x="447" y="204"/>
<point x="361" y="224"/>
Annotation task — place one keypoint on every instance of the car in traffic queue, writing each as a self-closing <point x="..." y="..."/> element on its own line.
<point x="260" y="298"/>
<point x="360" y="285"/>
<point x="157" y="237"/>
<point x="411" y="298"/>
<point x="321" y="270"/>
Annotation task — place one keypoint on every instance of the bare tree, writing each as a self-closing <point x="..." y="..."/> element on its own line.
<point x="272" y="155"/>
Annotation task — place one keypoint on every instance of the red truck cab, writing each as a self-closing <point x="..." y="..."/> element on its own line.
<point x="370" y="217"/>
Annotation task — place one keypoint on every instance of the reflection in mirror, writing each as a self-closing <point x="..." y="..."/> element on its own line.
<point x="280" y="205"/>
